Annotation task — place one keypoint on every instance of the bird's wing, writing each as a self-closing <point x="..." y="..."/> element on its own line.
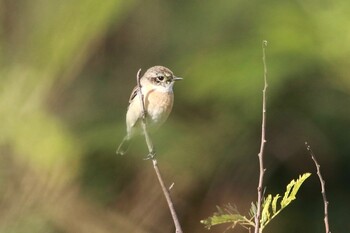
<point x="133" y="93"/>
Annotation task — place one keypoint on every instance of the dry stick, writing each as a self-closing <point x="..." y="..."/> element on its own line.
<point x="262" y="146"/>
<point x="152" y="154"/>
<point x="323" y="188"/>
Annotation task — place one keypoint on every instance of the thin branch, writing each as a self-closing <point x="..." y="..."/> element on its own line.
<point x="323" y="187"/>
<point x="143" y="122"/>
<point x="262" y="146"/>
<point x="152" y="154"/>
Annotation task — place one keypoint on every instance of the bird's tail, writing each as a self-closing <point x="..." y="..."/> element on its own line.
<point x="124" y="146"/>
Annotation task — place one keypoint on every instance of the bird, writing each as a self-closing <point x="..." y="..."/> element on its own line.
<point x="158" y="97"/>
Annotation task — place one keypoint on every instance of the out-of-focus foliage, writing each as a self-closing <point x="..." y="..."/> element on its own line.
<point x="67" y="69"/>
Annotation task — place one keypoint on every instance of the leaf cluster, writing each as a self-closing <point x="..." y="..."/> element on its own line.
<point x="271" y="207"/>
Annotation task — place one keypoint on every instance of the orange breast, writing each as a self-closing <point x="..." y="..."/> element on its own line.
<point x="159" y="105"/>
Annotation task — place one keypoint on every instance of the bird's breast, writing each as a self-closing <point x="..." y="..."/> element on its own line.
<point x="159" y="105"/>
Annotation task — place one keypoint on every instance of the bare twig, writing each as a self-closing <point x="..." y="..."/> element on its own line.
<point x="262" y="146"/>
<point x="143" y="122"/>
<point x="323" y="188"/>
<point x="151" y="155"/>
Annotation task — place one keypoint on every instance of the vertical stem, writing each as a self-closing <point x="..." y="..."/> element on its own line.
<point x="262" y="146"/>
<point x="152" y="154"/>
<point x="323" y="187"/>
<point x="143" y="120"/>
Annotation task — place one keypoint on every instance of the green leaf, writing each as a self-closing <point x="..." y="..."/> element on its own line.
<point x="292" y="189"/>
<point x="227" y="214"/>
<point x="298" y="183"/>
<point x="274" y="203"/>
<point x="253" y="209"/>
<point x="286" y="200"/>
<point x="289" y="195"/>
<point x="270" y="208"/>
<point x="265" y="214"/>
<point x="223" y="218"/>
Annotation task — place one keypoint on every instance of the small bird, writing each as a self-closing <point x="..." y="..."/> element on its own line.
<point x="158" y="96"/>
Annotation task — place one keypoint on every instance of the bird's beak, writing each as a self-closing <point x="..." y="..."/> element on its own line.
<point x="177" y="78"/>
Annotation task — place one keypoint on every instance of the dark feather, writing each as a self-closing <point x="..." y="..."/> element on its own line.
<point x="133" y="93"/>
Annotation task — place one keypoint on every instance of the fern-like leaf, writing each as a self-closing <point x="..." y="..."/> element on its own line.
<point x="228" y="214"/>
<point x="298" y="183"/>
<point x="221" y="219"/>
<point x="270" y="208"/>
<point x="289" y="195"/>
<point x="292" y="189"/>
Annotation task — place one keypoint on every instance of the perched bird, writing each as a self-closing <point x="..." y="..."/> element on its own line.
<point x="158" y="96"/>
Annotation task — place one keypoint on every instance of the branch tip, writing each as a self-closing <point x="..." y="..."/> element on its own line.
<point x="323" y="188"/>
<point x="262" y="170"/>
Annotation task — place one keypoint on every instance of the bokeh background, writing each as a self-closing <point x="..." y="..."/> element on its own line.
<point x="67" y="69"/>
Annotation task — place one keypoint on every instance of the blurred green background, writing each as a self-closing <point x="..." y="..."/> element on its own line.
<point x="67" y="69"/>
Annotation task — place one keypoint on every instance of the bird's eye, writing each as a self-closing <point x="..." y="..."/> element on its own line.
<point x="160" y="78"/>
